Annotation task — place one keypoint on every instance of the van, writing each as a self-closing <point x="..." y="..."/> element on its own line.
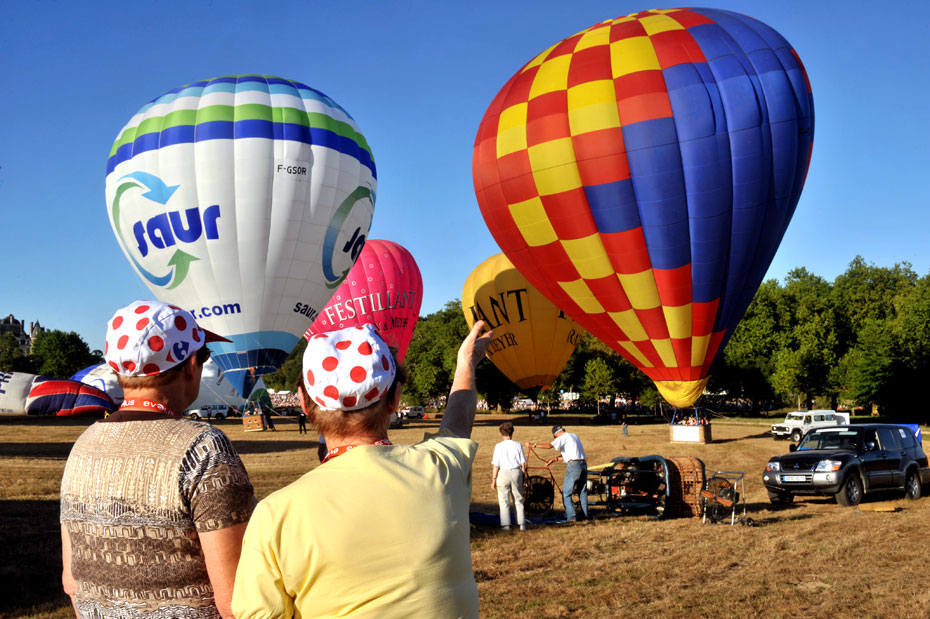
<point x="209" y="411"/>
<point x="413" y="412"/>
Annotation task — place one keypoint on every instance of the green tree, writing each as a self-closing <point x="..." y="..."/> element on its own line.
<point x="12" y="358"/>
<point x="285" y="377"/>
<point x="599" y="380"/>
<point x="60" y="354"/>
<point x="433" y="349"/>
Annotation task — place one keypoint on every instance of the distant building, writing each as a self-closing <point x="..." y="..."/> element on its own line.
<point x="18" y="329"/>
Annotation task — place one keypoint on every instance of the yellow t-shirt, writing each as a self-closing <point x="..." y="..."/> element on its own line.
<point x="378" y="531"/>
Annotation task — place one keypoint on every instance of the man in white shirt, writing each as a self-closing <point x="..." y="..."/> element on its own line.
<point x="576" y="469"/>
<point x="507" y="477"/>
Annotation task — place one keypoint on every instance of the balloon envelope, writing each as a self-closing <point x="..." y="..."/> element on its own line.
<point x="642" y="173"/>
<point x="384" y="289"/>
<point x="532" y="339"/>
<point x="245" y="200"/>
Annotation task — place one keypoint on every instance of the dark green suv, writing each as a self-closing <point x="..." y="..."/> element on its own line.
<point x="849" y="462"/>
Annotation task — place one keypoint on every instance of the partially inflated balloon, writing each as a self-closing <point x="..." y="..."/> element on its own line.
<point x="532" y="338"/>
<point x="383" y="289"/>
<point x="246" y="200"/>
<point x="642" y="173"/>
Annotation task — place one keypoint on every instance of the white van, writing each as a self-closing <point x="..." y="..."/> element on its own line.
<point x="209" y="411"/>
<point x="797" y="424"/>
<point x="413" y="412"/>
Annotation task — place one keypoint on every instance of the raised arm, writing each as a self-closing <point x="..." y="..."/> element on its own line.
<point x="459" y="416"/>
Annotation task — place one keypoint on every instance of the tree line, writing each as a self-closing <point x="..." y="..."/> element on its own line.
<point x="55" y="353"/>
<point x="860" y="340"/>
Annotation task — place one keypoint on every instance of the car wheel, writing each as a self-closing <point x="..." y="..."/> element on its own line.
<point x="219" y="416"/>
<point x="796" y="436"/>
<point x="851" y="492"/>
<point x="195" y="416"/>
<point x="777" y="497"/>
<point x="912" y="488"/>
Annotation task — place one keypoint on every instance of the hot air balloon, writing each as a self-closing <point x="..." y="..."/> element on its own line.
<point x="383" y="289"/>
<point x="533" y="339"/>
<point x="642" y="173"/>
<point x="245" y="200"/>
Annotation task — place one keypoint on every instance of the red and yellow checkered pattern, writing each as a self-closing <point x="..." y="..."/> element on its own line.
<point x="555" y="131"/>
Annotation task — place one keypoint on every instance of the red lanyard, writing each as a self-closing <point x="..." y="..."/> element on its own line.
<point x="338" y="451"/>
<point x="149" y="404"/>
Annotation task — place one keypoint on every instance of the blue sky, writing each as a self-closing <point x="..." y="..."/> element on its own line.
<point x="417" y="76"/>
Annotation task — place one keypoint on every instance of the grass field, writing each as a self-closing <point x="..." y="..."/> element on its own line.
<point x="812" y="559"/>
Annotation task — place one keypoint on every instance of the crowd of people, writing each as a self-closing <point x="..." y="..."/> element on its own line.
<point x="159" y="517"/>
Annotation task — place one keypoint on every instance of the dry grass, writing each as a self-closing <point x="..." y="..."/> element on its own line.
<point x="812" y="559"/>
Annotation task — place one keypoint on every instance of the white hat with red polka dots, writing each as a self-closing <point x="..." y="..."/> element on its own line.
<point x="148" y="337"/>
<point x="348" y="369"/>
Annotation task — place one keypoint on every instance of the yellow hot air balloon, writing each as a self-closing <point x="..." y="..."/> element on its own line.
<point x="533" y="339"/>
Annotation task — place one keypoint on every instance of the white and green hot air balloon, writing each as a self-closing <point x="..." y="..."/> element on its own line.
<point x="245" y="200"/>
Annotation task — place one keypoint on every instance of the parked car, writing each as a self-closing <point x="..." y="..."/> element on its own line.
<point x="849" y="462"/>
<point x="397" y="420"/>
<point x="210" y="411"/>
<point x="413" y="412"/>
<point x="797" y="424"/>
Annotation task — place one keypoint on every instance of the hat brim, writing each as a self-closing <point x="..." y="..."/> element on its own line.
<point x="210" y="336"/>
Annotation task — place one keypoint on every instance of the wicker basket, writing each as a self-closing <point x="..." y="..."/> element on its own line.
<point x="686" y="480"/>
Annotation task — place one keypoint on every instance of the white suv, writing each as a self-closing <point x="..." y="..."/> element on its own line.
<point x="208" y="411"/>
<point x="797" y="424"/>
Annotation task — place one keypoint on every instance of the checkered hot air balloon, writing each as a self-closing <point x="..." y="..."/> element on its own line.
<point x="641" y="175"/>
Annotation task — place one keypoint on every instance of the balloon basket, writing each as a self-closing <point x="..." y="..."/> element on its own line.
<point x="690" y="434"/>
<point x="253" y="423"/>
<point x="685" y="482"/>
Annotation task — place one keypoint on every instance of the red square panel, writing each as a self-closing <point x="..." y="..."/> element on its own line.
<point x="645" y="107"/>
<point x="601" y="156"/>
<point x="590" y="64"/>
<point x="674" y="47"/>
<point x="674" y="285"/>
<point x="703" y="316"/>
<point x="609" y="293"/>
<point x="625" y="30"/>
<point x="569" y="214"/>
<point x="547" y="118"/>
<point x="518" y="90"/>
<point x="627" y="250"/>
<point x="689" y="18"/>
<point x="653" y="321"/>
<point x="565" y="47"/>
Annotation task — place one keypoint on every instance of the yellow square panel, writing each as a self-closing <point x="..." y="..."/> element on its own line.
<point x="655" y="24"/>
<point x="699" y="349"/>
<point x="632" y="55"/>
<point x="666" y="352"/>
<point x="588" y="256"/>
<point x="592" y="106"/>
<point x="678" y="320"/>
<point x="629" y="323"/>
<point x="534" y="225"/>
<point x="580" y="293"/>
<point x="636" y="353"/>
<point x="598" y="35"/>
<point x="554" y="167"/>
<point x="640" y="289"/>
<point x="538" y="60"/>
<point x="552" y="76"/>
<point x="511" y="130"/>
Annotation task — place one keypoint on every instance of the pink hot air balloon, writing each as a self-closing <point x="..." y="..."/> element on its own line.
<point x="384" y="289"/>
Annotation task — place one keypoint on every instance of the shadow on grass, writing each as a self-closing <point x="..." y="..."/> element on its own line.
<point x="30" y="559"/>
<point x="53" y="451"/>
<point x="264" y="447"/>
<point x="765" y="434"/>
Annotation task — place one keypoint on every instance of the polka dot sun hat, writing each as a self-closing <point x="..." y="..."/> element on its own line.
<point x="149" y="337"/>
<point x="347" y="369"/>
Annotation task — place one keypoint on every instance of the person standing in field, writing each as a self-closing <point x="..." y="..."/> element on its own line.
<point x="377" y="529"/>
<point x="153" y="506"/>
<point x="576" y="469"/>
<point x="509" y="470"/>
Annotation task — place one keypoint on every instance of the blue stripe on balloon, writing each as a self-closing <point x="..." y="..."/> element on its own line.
<point x="613" y="206"/>
<point x="655" y="170"/>
<point x="216" y="130"/>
